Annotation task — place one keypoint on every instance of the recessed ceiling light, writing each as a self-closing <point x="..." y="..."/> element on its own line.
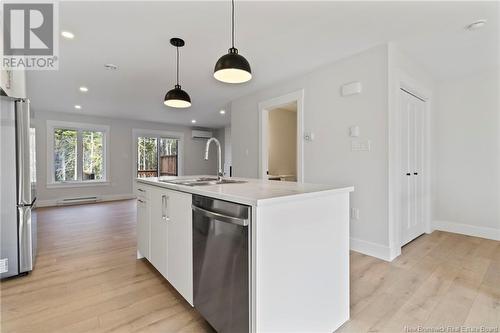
<point x="193" y="121"/>
<point x="476" y="25"/>
<point x="222" y="111"/>
<point x="111" y="67"/>
<point x="78" y="107"/>
<point x="67" y="34"/>
<point x="84" y="89"/>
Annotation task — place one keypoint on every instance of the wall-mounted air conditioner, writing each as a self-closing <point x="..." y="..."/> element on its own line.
<point x="195" y="134"/>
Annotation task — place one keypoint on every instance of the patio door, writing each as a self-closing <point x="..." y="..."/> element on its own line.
<point x="157" y="156"/>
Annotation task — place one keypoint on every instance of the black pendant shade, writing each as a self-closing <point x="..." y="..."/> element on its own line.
<point x="232" y="67"/>
<point x="177" y="98"/>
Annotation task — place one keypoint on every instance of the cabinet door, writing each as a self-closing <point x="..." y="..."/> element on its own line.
<point x="179" y="244"/>
<point x="158" y="253"/>
<point x="143" y="227"/>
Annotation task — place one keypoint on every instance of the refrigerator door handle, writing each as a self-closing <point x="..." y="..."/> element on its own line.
<point x="23" y="152"/>
<point x="25" y="238"/>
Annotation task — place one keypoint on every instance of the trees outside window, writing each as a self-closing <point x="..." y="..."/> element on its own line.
<point x="156" y="156"/>
<point x="93" y="154"/>
<point x="65" y="148"/>
<point x="78" y="154"/>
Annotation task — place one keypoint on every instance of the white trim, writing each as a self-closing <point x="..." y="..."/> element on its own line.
<point x="467" y="229"/>
<point x="397" y="80"/>
<point x="53" y="124"/>
<point x="101" y="198"/>
<point x="87" y="183"/>
<point x="372" y="249"/>
<point x="264" y="106"/>
<point x="76" y="125"/>
<point x="136" y="132"/>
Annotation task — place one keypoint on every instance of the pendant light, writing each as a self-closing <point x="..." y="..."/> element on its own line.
<point x="232" y="67"/>
<point x="177" y="98"/>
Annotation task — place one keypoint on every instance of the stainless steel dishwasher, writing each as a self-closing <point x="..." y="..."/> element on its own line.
<point x="221" y="263"/>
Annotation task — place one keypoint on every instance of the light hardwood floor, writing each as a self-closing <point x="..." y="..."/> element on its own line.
<point x="88" y="280"/>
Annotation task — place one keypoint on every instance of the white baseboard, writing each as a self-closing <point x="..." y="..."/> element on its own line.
<point x="100" y="198"/>
<point x="372" y="249"/>
<point x="467" y="229"/>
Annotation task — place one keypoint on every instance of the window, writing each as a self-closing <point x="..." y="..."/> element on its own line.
<point x="156" y="156"/>
<point x="77" y="153"/>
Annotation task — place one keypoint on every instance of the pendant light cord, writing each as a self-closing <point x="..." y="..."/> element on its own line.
<point x="232" y="22"/>
<point x="177" y="65"/>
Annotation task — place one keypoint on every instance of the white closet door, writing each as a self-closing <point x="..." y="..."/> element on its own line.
<point x="406" y="193"/>
<point x="412" y="120"/>
<point x="419" y="112"/>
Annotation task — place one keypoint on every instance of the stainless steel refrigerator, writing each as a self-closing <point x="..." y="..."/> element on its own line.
<point x="18" y="188"/>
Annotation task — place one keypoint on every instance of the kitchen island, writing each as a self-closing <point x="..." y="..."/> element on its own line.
<point x="298" y="249"/>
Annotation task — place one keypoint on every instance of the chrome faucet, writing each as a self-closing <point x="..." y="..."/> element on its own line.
<point x="219" y="156"/>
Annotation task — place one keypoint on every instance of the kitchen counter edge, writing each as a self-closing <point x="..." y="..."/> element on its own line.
<point x="215" y="191"/>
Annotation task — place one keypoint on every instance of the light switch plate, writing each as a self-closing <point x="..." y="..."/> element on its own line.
<point x="355" y="213"/>
<point x="354" y="131"/>
<point x="352" y="88"/>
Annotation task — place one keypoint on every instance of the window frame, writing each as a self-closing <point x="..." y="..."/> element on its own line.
<point x="79" y="127"/>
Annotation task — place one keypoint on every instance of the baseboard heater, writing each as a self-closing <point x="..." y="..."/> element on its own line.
<point x="76" y="201"/>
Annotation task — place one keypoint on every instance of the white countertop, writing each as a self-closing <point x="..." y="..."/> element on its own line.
<point x="254" y="192"/>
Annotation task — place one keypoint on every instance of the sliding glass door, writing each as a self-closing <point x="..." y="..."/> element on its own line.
<point x="167" y="152"/>
<point x="157" y="156"/>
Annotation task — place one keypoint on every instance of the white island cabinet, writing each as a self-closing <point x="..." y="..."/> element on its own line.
<point x="298" y="252"/>
<point x="164" y="235"/>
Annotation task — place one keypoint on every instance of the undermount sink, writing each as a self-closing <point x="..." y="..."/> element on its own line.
<point x="202" y="181"/>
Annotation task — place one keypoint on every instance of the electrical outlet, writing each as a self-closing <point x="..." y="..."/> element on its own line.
<point x="355" y="213"/>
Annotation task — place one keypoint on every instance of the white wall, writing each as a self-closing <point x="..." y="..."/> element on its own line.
<point x="328" y="159"/>
<point x="467" y="152"/>
<point x="227" y="151"/>
<point x="121" y="155"/>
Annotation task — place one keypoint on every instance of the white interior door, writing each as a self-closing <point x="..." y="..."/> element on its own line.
<point x="412" y="142"/>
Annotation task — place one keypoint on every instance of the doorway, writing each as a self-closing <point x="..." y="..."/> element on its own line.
<point x="157" y="154"/>
<point x="282" y="143"/>
<point x="280" y="139"/>
<point x="412" y="138"/>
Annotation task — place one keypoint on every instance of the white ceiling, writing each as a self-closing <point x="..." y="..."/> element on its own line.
<point x="280" y="39"/>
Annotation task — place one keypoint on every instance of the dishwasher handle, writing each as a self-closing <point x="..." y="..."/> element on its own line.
<point x="220" y="217"/>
